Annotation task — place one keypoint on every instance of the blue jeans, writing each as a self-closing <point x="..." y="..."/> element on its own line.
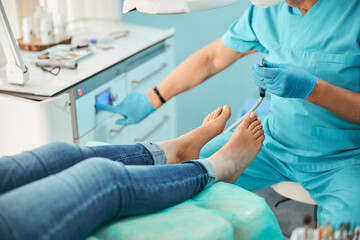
<point x="62" y="191"/>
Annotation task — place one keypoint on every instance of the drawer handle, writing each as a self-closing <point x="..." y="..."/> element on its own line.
<point x="117" y="130"/>
<point x="164" y="65"/>
<point x="165" y="118"/>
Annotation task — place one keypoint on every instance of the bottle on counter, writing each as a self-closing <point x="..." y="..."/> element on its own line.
<point x="59" y="27"/>
<point x="27" y="30"/>
<point x="43" y="25"/>
<point x="46" y="31"/>
<point x="39" y="14"/>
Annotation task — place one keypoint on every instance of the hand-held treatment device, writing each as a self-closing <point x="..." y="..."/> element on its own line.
<point x="262" y="95"/>
<point x="261" y="90"/>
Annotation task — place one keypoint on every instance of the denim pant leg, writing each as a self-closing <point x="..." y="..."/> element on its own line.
<point x="73" y="203"/>
<point x="52" y="158"/>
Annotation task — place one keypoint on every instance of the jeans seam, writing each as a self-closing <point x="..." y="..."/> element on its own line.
<point x="168" y="183"/>
<point x="78" y="209"/>
<point x="159" y="185"/>
<point x="92" y="150"/>
<point x="8" y="226"/>
<point x="17" y="162"/>
<point x="68" y="216"/>
<point x="64" y="180"/>
<point x="76" y="180"/>
<point x="121" y="157"/>
<point x="81" y="152"/>
<point x="40" y="161"/>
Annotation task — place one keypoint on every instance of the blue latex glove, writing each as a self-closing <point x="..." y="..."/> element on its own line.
<point x="135" y="107"/>
<point x="284" y="80"/>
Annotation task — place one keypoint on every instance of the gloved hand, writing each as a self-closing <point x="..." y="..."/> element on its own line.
<point x="135" y="107"/>
<point x="284" y="80"/>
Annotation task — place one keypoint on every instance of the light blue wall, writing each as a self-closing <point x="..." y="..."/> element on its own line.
<point x="193" y="31"/>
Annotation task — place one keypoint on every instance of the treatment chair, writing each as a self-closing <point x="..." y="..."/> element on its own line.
<point x="222" y="211"/>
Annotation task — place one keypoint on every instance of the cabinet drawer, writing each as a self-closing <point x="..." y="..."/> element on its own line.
<point x="108" y="132"/>
<point x="87" y="115"/>
<point x="159" y="126"/>
<point x="148" y="74"/>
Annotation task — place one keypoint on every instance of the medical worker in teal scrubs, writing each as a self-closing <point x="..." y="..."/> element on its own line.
<point x="312" y="71"/>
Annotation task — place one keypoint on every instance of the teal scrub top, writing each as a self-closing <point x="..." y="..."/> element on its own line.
<point x="325" y="42"/>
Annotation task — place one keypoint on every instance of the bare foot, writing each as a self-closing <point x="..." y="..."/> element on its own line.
<point x="245" y="143"/>
<point x="188" y="146"/>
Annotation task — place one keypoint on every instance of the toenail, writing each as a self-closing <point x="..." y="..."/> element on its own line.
<point x="252" y="115"/>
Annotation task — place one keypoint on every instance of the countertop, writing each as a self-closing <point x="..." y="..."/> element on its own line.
<point x="43" y="85"/>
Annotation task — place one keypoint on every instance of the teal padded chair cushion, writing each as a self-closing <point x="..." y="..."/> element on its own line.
<point x="223" y="211"/>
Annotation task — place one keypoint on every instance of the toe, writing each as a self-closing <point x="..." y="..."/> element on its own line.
<point x="261" y="138"/>
<point x="226" y="112"/>
<point x="206" y="119"/>
<point x="256" y="128"/>
<point x="259" y="134"/>
<point x="254" y="124"/>
<point x="249" y="119"/>
<point x="217" y="112"/>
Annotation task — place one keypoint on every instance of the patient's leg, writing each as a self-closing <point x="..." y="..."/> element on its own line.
<point x="74" y="202"/>
<point x="52" y="158"/>
<point x="55" y="157"/>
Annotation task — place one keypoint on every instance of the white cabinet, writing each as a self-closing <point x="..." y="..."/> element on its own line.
<point x="26" y="124"/>
<point x="71" y="115"/>
<point x="95" y="125"/>
<point x="137" y="74"/>
<point x="159" y="126"/>
<point x="107" y="132"/>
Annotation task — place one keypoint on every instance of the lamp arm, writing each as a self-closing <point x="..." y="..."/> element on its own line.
<point x="16" y="70"/>
<point x="173" y="6"/>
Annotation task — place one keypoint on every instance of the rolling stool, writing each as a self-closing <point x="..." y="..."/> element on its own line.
<point x="294" y="191"/>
